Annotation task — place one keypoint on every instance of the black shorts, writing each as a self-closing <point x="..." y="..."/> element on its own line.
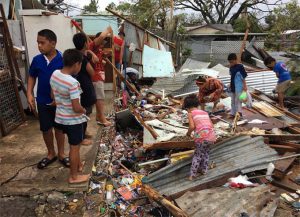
<point x="46" y="117"/>
<point x="74" y="132"/>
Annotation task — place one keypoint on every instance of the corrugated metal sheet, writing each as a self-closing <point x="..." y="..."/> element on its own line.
<point x="264" y="81"/>
<point x="239" y="153"/>
<point x="193" y="64"/>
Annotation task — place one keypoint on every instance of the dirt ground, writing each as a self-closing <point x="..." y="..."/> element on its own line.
<point x="23" y="186"/>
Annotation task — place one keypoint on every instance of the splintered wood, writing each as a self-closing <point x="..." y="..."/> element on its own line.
<point x="266" y="109"/>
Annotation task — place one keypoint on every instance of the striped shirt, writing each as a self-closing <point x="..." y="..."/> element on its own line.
<point x="204" y="129"/>
<point x="65" y="88"/>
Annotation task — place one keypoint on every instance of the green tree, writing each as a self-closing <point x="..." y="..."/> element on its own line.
<point x="148" y="13"/>
<point x="281" y="19"/>
<point x="92" y="7"/>
<point x="224" y="11"/>
<point x="240" y="24"/>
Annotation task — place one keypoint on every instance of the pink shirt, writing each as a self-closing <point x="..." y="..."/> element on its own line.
<point x="204" y="129"/>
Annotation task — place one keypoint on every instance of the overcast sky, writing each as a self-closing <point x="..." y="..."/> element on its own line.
<point x="103" y="4"/>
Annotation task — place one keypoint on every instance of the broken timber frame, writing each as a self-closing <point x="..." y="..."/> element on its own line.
<point x="156" y="196"/>
<point x="129" y="85"/>
<point x="170" y="145"/>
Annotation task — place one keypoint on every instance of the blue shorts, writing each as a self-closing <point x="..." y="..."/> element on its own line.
<point x="74" y="132"/>
<point x="46" y="117"/>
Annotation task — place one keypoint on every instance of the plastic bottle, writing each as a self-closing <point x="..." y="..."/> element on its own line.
<point x="109" y="193"/>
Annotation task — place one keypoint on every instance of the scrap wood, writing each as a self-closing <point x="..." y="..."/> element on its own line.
<point x="288" y="113"/>
<point x="150" y="129"/>
<point x="175" y="101"/>
<point x="282" y="166"/>
<point x="74" y="23"/>
<point x="283" y="148"/>
<point x="266" y="109"/>
<point x="279" y="184"/>
<point x="235" y="120"/>
<point x="279" y="137"/>
<point x="295" y="130"/>
<point x="170" y="145"/>
<point x="156" y="196"/>
<point x="122" y="78"/>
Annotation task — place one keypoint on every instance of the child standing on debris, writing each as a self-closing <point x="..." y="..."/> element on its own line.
<point x="204" y="134"/>
<point x="283" y="75"/>
<point x="70" y="115"/>
<point x="84" y="77"/>
<point x="238" y="84"/>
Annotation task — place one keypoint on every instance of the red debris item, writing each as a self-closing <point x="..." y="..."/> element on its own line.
<point x="237" y="185"/>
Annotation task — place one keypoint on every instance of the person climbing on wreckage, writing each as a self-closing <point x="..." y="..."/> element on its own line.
<point x="204" y="135"/>
<point x="210" y="90"/>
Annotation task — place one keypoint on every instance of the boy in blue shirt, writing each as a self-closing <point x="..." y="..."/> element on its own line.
<point x="283" y="75"/>
<point x="237" y="83"/>
<point x="41" y="68"/>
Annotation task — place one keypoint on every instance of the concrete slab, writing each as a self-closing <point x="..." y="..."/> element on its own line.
<point x="24" y="147"/>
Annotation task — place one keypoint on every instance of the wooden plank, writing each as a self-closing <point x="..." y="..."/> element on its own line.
<point x="156" y="196"/>
<point x="294" y="130"/>
<point x="283" y="148"/>
<point x="282" y="166"/>
<point x="288" y="113"/>
<point x="281" y="137"/>
<point x="129" y="85"/>
<point x="284" y="186"/>
<point x="170" y="145"/>
<point x="136" y="25"/>
<point x="267" y="109"/>
<point x="150" y="129"/>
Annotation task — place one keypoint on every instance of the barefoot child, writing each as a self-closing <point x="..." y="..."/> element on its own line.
<point x="204" y="134"/>
<point x="70" y="115"/>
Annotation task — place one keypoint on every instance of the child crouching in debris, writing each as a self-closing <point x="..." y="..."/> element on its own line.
<point x="204" y="134"/>
<point x="70" y="115"/>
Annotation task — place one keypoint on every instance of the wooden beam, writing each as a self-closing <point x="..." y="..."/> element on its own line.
<point x="129" y="85"/>
<point x="283" y="148"/>
<point x="156" y="196"/>
<point x="138" y="26"/>
<point x="282" y="166"/>
<point x="284" y="186"/>
<point x="282" y="137"/>
<point x="290" y="114"/>
<point x="150" y="129"/>
<point x="170" y="145"/>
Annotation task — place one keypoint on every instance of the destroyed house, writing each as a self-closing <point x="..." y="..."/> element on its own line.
<point x="211" y="42"/>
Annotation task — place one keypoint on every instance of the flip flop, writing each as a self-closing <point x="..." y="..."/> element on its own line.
<point x="45" y="162"/>
<point x="65" y="161"/>
<point x="102" y="124"/>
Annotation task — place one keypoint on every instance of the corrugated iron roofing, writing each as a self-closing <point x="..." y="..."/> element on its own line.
<point x="264" y="81"/>
<point x="238" y="154"/>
